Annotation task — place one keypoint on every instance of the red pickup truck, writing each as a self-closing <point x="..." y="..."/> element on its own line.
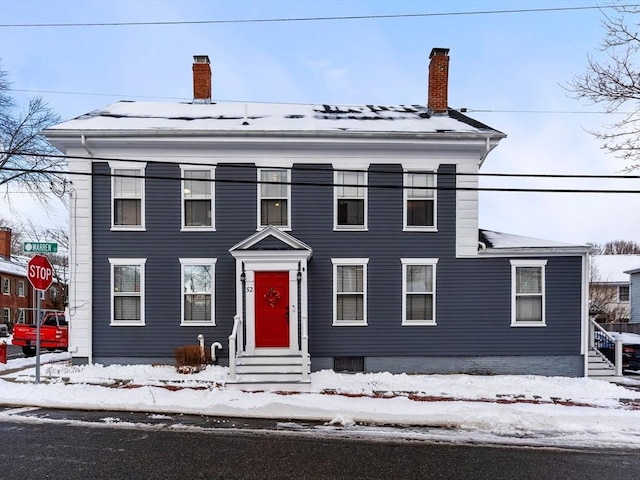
<point x="54" y="334"/>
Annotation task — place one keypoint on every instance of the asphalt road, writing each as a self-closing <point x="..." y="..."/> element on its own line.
<point x="66" y="445"/>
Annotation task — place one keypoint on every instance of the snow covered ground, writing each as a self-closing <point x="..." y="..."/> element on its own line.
<point x="490" y="409"/>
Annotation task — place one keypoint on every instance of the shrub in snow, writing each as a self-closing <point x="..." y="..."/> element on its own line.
<point x="191" y="358"/>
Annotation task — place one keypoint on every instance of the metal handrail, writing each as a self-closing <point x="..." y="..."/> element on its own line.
<point x="617" y="342"/>
<point x="233" y="346"/>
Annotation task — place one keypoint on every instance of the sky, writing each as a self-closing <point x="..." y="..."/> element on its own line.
<point x="503" y="68"/>
<point x="498" y="409"/>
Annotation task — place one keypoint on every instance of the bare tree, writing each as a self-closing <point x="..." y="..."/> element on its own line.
<point x="616" y="247"/>
<point x="615" y="83"/>
<point x="27" y="160"/>
<point x="621" y="247"/>
<point x="603" y="298"/>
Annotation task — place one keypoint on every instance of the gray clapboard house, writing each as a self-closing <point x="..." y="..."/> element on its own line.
<point x="306" y="237"/>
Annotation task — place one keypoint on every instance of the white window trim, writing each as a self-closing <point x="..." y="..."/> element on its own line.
<point x="128" y="261"/>
<point x="349" y="262"/>
<point x="405" y="199"/>
<point x="6" y="281"/>
<point x="287" y="227"/>
<point x="628" y="287"/>
<point x="188" y="228"/>
<point x="141" y="167"/>
<point x="417" y="261"/>
<point x="21" y="314"/>
<point x="6" y="314"/>
<point x="350" y="228"/>
<point x="211" y="262"/>
<point x="21" y="286"/>
<point x="528" y="263"/>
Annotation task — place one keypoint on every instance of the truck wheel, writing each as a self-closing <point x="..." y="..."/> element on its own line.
<point x="29" y="351"/>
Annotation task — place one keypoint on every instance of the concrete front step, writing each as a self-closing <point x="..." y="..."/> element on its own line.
<point x="599" y="367"/>
<point x="272" y="368"/>
<point x="269" y="360"/>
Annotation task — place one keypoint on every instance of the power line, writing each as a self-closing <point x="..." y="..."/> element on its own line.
<point x="303" y="167"/>
<point x="331" y="184"/>
<point x="189" y="99"/>
<point x="317" y="19"/>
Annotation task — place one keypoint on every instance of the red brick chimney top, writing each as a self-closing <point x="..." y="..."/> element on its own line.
<point x="438" y="100"/>
<point x="5" y="243"/>
<point x="201" y="79"/>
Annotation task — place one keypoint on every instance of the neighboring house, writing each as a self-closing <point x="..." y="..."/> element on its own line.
<point x="17" y="297"/>
<point x="634" y="294"/>
<point x="609" y="287"/>
<point x="314" y="237"/>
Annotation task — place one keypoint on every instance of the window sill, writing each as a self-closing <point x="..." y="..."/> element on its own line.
<point x="283" y="228"/>
<point x="528" y="324"/>
<point x="349" y="324"/>
<point x="126" y="324"/>
<point x="197" y="324"/>
<point x="131" y="228"/>
<point x="419" y="229"/>
<point x="419" y="323"/>
<point x="198" y="229"/>
<point x="350" y="229"/>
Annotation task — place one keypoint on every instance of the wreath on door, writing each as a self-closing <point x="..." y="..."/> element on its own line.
<point x="272" y="297"/>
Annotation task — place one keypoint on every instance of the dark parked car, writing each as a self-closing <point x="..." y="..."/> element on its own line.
<point x="4" y="330"/>
<point x="630" y="349"/>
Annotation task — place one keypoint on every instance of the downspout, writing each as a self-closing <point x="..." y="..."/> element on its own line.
<point x="584" y="334"/>
<point x="487" y="149"/>
<point x="83" y="142"/>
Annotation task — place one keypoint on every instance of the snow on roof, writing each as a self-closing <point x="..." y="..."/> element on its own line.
<point x="612" y="268"/>
<point x="506" y="240"/>
<point x="13" y="268"/>
<point x="242" y="117"/>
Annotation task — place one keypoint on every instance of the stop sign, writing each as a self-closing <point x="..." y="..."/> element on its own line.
<point x="40" y="272"/>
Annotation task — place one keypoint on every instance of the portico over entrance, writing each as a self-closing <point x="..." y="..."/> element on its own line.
<point x="271" y="301"/>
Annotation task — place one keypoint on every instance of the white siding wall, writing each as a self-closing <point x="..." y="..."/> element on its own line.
<point x="80" y="258"/>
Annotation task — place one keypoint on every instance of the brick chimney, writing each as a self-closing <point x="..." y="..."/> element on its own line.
<point x="201" y="79"/>
<point x="5" y="243"/>
<point x="438" y="80"/>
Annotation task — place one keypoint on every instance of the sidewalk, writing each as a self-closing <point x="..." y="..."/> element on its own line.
<point x="500" y="409"/>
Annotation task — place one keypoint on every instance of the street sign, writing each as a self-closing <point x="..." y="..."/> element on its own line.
<point x="40" y="247"/>
<point x="40" y="272"/>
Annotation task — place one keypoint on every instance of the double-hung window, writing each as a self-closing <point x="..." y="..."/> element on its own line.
<point x="127" y="194"/>
<point x="419" y="291"/>
<point x="623" y="293"/>
<point x="419" y="201"/>
<point x="6" y="286"/>
<point x="127" y="291"/>
<point x="528" y="292"/>
<point x="198" y="277"/>
<point x="350" y="291"/>
<point x="274" y="193"/>
<point x="21" y="288"/>
<point x="6" y="315"/>
<point x="350" y="191"/>
<point x="198" y="209"/>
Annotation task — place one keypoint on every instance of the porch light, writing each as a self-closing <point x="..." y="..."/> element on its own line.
<point x="243" y="277"/>
<point x="299" y="275"/>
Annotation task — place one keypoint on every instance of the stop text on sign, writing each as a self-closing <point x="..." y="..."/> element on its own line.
<point x="42" y="273"/>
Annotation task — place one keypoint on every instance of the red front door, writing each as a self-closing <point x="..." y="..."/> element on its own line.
<point x="272" y="309"/>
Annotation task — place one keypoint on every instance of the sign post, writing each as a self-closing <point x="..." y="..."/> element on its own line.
<point x="40" y="275"/>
